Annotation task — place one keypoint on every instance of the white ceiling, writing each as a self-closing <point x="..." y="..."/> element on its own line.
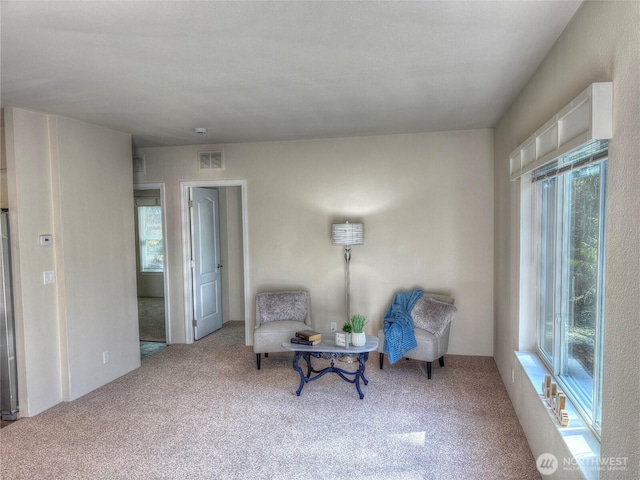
<point x="274" y="70"/>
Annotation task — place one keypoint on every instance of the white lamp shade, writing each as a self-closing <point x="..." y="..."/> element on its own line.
<point x="347" y="233"/>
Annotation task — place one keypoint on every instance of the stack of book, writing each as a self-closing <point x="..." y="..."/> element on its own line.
<point x="307" y="337"/>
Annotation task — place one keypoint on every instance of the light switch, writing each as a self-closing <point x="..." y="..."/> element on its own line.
<point x="49" y="277"/>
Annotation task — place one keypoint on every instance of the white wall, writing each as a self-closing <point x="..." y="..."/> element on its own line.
<point x="230" y="200"/>
<point x="600" y="44"/>
<point x="95" y="256"/>
<point x="56" y="183"/>
<point x="4" y="199"/>
<point x="30" y="214"/>
<point x="3" y="155"/>
<point x="426" y="201"/>
<point x="234" y="253"/>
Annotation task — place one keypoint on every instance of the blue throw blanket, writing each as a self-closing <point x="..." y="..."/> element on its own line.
<point x="398" y="325"/>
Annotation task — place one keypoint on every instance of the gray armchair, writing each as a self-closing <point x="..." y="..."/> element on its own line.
<point x="432" y="315"/>
<point x="279" y="315"/>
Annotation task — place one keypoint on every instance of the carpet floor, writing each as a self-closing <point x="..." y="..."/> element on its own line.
<point x="203" y="411"/>
<point x="151" y="324"/>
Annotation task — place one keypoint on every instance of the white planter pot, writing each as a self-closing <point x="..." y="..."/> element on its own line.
<point x="358" y="339"/>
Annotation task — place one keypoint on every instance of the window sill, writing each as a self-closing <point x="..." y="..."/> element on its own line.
<point x="577" y="436"/>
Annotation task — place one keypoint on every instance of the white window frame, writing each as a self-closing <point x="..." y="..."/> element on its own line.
<point x="531" y="225"/>
<point x="142" y="237"/>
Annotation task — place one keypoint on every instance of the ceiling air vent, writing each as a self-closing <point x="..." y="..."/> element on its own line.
<point x="210" y="160"/>
<point x="138" y="164"/>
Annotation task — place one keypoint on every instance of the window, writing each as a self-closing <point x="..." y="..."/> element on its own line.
<point x="150" y="238"/>
<point x="569" y="250"/>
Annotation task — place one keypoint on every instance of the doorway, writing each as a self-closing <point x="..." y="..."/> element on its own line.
<point x="232" y="258"/>
<point x="151" y="268"/>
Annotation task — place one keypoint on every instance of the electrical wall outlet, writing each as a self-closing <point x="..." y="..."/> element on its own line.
<point x="105" y="357"/>
<point x="334" y="326"/>
<point x="45" y="240"/>
<point x="48" y="277"/>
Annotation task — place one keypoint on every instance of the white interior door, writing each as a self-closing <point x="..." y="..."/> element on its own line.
<point x="205" y="261"/>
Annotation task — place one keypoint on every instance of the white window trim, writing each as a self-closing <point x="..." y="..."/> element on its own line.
<point x="140" y="239"/>
<point x="587" y="117"/>
<point x="578" y="437"/>
<point x="546" y="144"/>
<point x="580" y="440"/>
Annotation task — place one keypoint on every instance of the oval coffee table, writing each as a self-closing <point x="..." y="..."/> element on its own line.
<point x="327" y="349"/>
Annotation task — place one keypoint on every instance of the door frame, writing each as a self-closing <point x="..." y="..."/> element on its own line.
<point x="165" y="274"/>
<point x="186" y="251"/>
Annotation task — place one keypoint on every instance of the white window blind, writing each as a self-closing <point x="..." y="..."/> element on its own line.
<point x="590" y="152"/>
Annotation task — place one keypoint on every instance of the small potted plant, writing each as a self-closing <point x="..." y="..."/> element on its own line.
<point x="358" y="337"/>
<point x="346" y="328"/>
<point x="343" y="337"/>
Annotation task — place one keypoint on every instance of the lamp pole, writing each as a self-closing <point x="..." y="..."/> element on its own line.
<point x="347" y="259"/>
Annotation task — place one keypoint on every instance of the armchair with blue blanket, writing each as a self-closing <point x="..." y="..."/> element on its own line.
<point x="416" y="326"/>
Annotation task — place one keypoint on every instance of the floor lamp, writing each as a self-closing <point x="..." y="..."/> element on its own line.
<point x="347" y="234"/>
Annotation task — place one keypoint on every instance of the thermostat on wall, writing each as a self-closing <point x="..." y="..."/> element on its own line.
<point x="46" y="240"/>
